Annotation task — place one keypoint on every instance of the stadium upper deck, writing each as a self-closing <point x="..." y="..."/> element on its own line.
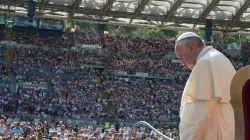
<point x="165" y="14"/>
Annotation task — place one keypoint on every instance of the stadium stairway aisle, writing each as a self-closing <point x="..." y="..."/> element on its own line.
<point x="99" y="81"/>
<point x="109" y="106"/>
<point x="50" y="87"/>
<point x="12" y="83"/>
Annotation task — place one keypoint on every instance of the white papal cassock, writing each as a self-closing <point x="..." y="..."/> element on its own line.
<point x="206" y="113"/>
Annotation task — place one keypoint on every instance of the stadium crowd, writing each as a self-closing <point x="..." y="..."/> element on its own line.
<point x="128" y="53"/>
<point x="80" y="98"/>
<point x="33" y="130"/>
<point x="64" y="89"/>
<point x="56" y="40"/>
<point x="43" y="60"/>
<point x="144" y="100"/>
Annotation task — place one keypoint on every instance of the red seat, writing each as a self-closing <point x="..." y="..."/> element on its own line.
<point x="240" y="100"/>
<point x="246" y="108"/>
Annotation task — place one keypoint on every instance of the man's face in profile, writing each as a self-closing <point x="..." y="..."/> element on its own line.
<point x="186" y="55"/>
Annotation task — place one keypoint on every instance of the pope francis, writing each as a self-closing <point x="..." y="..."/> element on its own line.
<point x="206" y="113"/>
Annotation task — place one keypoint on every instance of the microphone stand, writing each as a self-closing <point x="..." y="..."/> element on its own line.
<point x="150" y="126"/>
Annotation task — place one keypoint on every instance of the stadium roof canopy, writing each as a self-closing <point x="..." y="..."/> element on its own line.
<point x="165" y="14"/>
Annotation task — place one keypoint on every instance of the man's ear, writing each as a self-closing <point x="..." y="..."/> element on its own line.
<point x="191" y="48"/>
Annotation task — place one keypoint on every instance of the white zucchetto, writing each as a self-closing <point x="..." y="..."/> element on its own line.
<point x="187" y="35"/>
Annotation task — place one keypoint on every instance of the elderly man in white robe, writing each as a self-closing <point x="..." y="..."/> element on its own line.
<point x="206" y="113"/>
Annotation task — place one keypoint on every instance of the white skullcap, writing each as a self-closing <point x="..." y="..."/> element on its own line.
<point x="187" y="35"/>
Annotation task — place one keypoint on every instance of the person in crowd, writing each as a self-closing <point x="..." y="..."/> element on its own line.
<point x="17" y="129"/>
<point x="2" y="126"/>
<point x="76" y="129"/>
<point x="45" y="129"/>
<point x="7" y="131"/>
<point x="52" y="130"/>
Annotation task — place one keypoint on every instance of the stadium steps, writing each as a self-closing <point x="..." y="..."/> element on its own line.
<point x="50" y="87"/>
<point x="101" y="88"/>
<point x="12" y="83"/>
<point x="98" y="79"/>
<point x="110" y="108"/>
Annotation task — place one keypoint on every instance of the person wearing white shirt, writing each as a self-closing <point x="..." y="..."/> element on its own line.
<point x="63" y="134"/>
<point x="153" y="133"/>
<point x="52" y="130"/>
<point x="2" y="126"/>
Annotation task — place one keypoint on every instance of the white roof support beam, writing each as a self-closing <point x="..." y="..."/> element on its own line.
<point x="42" y="4"/>
<point x="139" y="9"/>
<point x="208" y="10"/>
<point x="107" y="7"/>
<point x="241" y="11"/>
<point x="176" y="5"/>
<point x="76" y="4"/>
<point x="171" y="12"/>
<point x="74" y="7"/>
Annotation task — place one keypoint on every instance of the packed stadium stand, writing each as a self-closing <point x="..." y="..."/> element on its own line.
<point x="57" y="83"/>
<point x="81" y="84"/>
